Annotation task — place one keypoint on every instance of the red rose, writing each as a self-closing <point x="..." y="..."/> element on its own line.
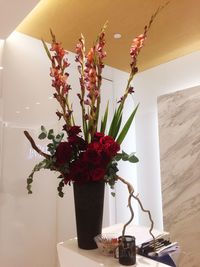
<point x="92" y="156"/>
<point x="96" y="146"/>
<point x="111" y="148"/>
<point x="97" y="136"/>
<point x="74" y="130"/>
<point x="105" y="158"/>
<point x="63" y="153"/>
<point x="78" y="171"/>
<point x="97" y="174"/>
<point x="78" y="141"/>
<point x="106" y="139"/>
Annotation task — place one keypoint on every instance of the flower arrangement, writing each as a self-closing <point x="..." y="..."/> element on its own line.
<point x="90" y="153"/>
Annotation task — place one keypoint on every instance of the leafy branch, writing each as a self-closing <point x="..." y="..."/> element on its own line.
<point x="49" y="161"/>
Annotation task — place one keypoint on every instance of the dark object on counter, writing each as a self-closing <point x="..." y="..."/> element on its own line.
<point x="126" y="250"/>
<point x="147" y="250"/>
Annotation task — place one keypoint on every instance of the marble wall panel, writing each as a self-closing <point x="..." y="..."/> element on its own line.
<point x="179" y="134"/>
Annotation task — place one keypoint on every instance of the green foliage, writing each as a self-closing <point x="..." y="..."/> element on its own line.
<point x="115" y="124"/>
<point x="113" y="194"/>
<point x="60" y="187"/>
<point x="126" y="127"/>
<point x="43" y="133"/>
<point x="44" y="164"/>
<point x="50" y="134"/>
<point x="48" y="163"/>
<point x="46" y="49"/>
<point x="111" y="176"/>
<point x="55" y="139"/>
<point x="104" y="120"/>
<point x="125" y="157"/>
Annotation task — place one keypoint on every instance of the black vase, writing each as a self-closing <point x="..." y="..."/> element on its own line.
<point x="88" y="199"/>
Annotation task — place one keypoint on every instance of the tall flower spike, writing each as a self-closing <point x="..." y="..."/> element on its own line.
<point x="138" y="42"/>
<point x="59" y="63"/>
<point x="80" y="58"/>
<point x="80" y="50"/>
<point x="136" y="46"/>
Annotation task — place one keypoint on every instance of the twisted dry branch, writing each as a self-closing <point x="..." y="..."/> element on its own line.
<point x="131" y="194"/>
<point x="39" y="151"/>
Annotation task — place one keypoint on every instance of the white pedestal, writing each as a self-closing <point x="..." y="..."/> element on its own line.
<point x="71" y="256"/>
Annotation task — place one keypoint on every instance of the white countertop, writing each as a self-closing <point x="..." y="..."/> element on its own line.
<point x="71" y="256"/>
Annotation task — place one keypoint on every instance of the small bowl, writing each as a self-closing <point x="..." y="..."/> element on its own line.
<point x="106" y="243"/>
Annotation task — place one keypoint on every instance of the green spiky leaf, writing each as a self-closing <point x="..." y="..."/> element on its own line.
<point x="126" y="126"/>
<point x="46" y="49"/>
<point x="104" y="120"/>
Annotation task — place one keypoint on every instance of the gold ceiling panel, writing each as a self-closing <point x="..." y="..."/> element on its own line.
<point x="176" y="31"/>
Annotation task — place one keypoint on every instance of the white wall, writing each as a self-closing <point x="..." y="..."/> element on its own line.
<point x="172" y="76"/>
<point x="27" y="222"/>
<point x="1" y="107"/>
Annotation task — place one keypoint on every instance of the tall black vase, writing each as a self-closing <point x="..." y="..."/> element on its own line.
<point x="88" y="199"/>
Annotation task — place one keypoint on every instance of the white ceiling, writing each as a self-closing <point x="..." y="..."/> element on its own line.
<point x="12" y="12"/>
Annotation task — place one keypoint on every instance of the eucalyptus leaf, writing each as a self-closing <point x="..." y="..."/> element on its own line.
<point x="60" y="188"/>
<point x="43" y="135"/>
<point x="44" y="164"/>
<point x="59" y="137"/>
<point x="43" y="129"/>
<point x="29" y="180"/>
<point x="125" y="157"/>
<point x="118" y="157"/>
<point x="132" y="158"/>
<point x="50" y="134"/>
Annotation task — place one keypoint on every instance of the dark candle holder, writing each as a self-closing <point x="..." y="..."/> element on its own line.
<point x="126" y="250"/>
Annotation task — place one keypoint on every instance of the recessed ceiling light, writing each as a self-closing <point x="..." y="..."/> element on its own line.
<point x="117" y="36"/>
<point x="27" y="107"/>
<point x="37" y="103"/>
<point x="17" y="111"/>
<point x="1" y="67"/>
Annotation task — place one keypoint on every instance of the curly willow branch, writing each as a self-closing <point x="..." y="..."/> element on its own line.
<point x="131" y="194"/>
<point x="39" y="151"/>
<point x="149" y="214"/>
